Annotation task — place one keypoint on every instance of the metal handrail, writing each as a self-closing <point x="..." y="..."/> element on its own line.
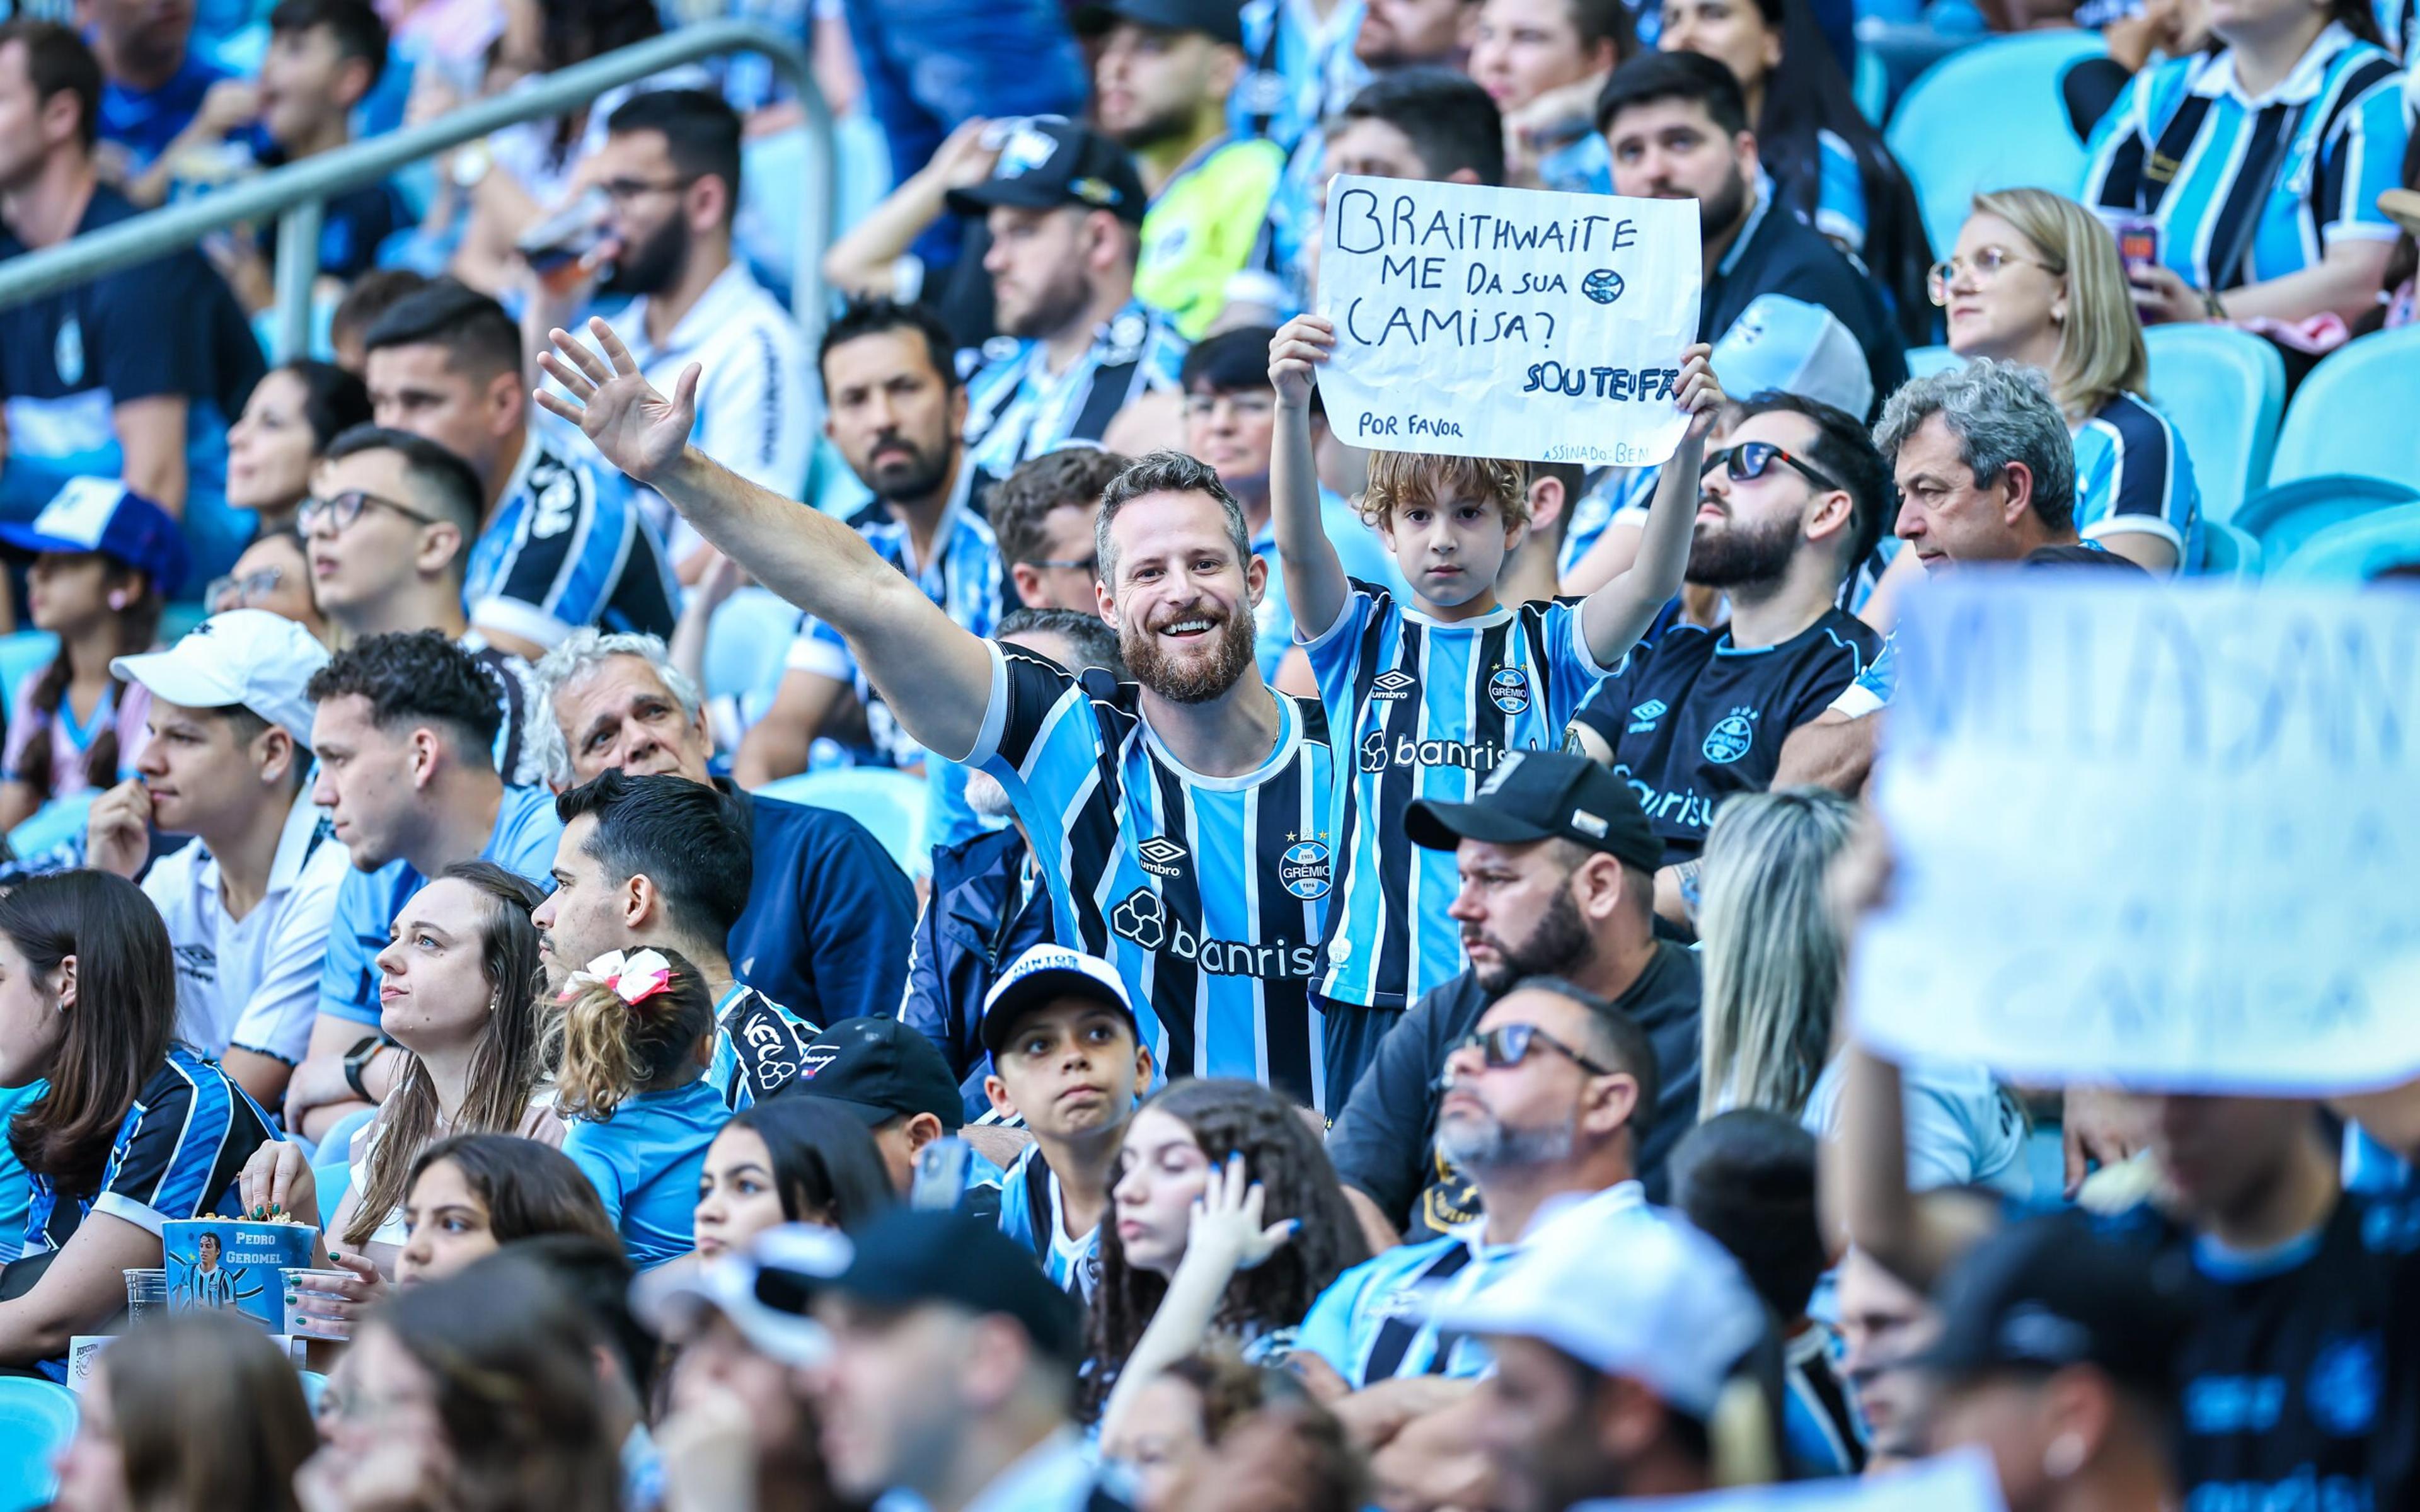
<point x="296" y="193"/>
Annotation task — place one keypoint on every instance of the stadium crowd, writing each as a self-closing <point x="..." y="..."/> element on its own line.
<point x="953" y="902"/>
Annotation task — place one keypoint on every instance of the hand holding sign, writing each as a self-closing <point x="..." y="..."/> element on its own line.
<point x="1294" y="355"/>
<point x="1507" y="322"/>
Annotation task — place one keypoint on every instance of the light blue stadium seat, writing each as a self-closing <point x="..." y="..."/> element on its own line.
<point x="1923" y="361"/>
<point x="774" y="176"/>
<point x="2286" y="514"/>
<point x="2222" y="389"/>
<point x="890" y="804"/>
<point x="1872" y="87"/>
<point x="53" y="825"/>
<point x="314" y="1385"/>
<point x="2356" y="413"/>
<point x="1950" y="154"/>
<point x="744" y="646"/>
<point x="2358" y="549"/>
<point x="36" y="1420"/>
<point x="21" y="654"/>
<point x="2227" y="552"/>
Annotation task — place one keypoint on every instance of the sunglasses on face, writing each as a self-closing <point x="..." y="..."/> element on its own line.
<point x="1509" y="1044"/>
<point x="1750" y="460"/>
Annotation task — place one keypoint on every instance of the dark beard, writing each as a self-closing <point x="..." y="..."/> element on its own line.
<point x="1560" y="946"/>
<point x="1722" y="212"/>
<point x="1195" y="680"/>
<point x="913" y="481"/>
<point x="1057" y="307"/>
<point x="1167" y="125"/>
<point x="653" y="265"/>
<point x="1739" y="555"/>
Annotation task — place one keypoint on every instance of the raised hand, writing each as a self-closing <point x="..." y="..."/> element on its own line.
<point x="630" y="423"/>
<point x="1226" y="1234"/>
<point x="1295" y="354"/>
<point x="117" y="829"/>
<point x="1702" y="394"/>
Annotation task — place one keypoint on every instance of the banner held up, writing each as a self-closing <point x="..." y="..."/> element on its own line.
<point x="1507" y="322"/>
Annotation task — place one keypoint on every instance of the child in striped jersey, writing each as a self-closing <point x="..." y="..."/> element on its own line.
<point x="1429" y="695"/>
<point x="1065" y="1057"/>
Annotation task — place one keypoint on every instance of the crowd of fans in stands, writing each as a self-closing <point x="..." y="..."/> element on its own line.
<point x="1359" y="1020"/>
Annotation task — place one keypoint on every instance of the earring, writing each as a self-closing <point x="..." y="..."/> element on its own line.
<point x="116" y="601"/>
<point x="2064" y="1456"/>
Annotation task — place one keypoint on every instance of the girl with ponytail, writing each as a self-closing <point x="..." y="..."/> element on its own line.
<point x="629" y="1043"/>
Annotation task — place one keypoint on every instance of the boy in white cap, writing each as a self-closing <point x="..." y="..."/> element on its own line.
<point x="1066" y="1058"/>
<point x="248" y="904"/>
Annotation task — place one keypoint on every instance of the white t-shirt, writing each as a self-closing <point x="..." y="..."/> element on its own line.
<point x="755" y="400"/>
<point x="1963" y="1128"/>
<point x="252" y="984"/>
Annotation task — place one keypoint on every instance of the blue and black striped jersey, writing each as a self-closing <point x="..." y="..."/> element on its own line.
<point x="177" y="1154"/>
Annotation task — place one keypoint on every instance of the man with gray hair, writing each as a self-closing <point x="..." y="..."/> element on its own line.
<point x="826" y="930"/>
<point x="1182" y="818"/>
<point x="1985" y="471"/>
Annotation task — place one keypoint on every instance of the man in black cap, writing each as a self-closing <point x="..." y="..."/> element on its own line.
<point x="1558" y="880"/>
<point x="1161" y="82"/>
<point x="941" y="1362"/>
<point x="2059" y="1354"/>
<point x="1065" y="209"/>
<point x="890" y="1076"/>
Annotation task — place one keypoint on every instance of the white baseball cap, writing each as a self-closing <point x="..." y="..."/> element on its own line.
<point x="1635" y="1292"/>
<point x="1791" y="347"/>
<point x="765" y="1290"/>
<point x="250" y="656"/>
<point x="1044" y="974"/>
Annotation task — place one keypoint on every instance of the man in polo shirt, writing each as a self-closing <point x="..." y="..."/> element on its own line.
<point x="1677" y="127"/>
<point x="248" y="904"/>
<point x="1557" y="862"/>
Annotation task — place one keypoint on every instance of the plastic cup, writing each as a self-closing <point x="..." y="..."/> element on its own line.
<point x="146" y="1293"/>
<point x="302" y="1285"/>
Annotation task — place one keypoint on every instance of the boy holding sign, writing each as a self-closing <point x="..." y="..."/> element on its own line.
<point x="1431" y="696"/>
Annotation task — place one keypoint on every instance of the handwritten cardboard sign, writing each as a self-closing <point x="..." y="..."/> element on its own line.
<point x="2167" y="836"/>
<point x="1507" y="322"/>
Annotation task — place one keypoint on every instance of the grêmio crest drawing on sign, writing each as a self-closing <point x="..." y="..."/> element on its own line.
<point x="1507" y="322"/>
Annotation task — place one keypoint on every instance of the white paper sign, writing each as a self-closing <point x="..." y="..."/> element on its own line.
<point x="1960" y="1482"/>
<point x="1507" y="322"/>
<point x="2167" y="836"/>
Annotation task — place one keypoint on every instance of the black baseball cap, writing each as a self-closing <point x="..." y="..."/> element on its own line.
<point x="1222" y="20"/>
<point x="880" y="1070"/>
<point x="2048" y="1293"/>
<point x="916" y="1257"/>
<point x="1544" y="794"/>
<point x="1047" y="162"/>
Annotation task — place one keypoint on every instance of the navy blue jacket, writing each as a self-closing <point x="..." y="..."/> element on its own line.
<point x="964" y="941"/>
<point x="829" y="915"/>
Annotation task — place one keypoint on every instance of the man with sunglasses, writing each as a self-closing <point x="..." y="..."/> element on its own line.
<point x="1557" y="863"/>
<point x="670" y="172"/>
<point x="1785" y="513"/>
<point x="384" y="535"/>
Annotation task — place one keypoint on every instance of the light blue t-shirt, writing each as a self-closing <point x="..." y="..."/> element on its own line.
<point x="645" y="1161"/>
<point x="1963" y="1128"/>
<point x="522" y="843"/>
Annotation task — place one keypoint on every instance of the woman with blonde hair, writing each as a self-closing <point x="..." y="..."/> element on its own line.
<point x="2036" y="278"/>
<point x="1776" y="966"/>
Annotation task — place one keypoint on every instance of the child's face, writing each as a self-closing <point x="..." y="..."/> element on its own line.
<point x="68" y="590"/>
<point x="299" y="80"/>
<point x="1069" y="1068"/>
<point x="1450" y="549"/>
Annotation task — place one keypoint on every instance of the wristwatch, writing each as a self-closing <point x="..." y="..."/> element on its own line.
<point x="357" y="1060"/>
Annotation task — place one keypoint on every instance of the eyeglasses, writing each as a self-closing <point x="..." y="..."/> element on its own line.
<point x="1750" y="460"/>
<point x="341" y="510"/>
<point x="1989" y="263"/>
<point x="1241" y="406"/>
<point x="236" y="592"/>
<point x="1509" y="1044"/>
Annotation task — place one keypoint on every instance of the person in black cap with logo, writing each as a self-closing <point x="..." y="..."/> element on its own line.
<point x="946" y="1365"/>
<point x="890" y="1076"/>
<point x="2059" y="1355"/>
<point x="1557" y="863"/>
<point x="1064" y="207"/>
<point x="1161" y="82"/>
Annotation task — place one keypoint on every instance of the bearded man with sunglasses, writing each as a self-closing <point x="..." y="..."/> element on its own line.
<point x="1787" y="508"/>
<point x="385" y="535"/>
<point x="1556" y="860"/>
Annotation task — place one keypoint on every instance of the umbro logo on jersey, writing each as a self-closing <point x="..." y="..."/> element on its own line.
<point x="1731" y="737"/>
<point x="1161" y="857"/>
<point x="1393" y="684"/>
<point x="1643" y="717"/>
<point x="1508" y="689"/>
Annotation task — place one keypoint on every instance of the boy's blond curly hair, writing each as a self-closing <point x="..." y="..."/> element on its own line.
<point x="1398" y="479"/>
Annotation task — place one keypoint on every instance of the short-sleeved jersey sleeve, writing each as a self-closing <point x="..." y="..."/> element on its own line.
<point x="180" y="1148"/>
<point x="573" y="539"/>
<point x="2362" y="159"/>
<point x="759" y="1046"/>
<point x="1338" y="653"/>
